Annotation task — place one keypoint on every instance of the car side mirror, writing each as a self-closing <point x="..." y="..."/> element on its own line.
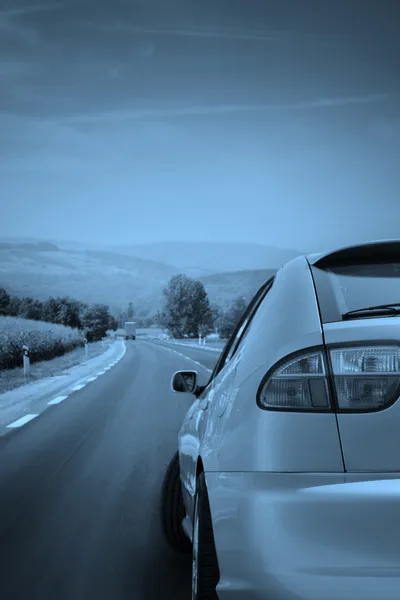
<point x="184" y="381"/>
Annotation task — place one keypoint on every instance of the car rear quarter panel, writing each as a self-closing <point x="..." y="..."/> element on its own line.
<point x="247" y="438"/>
<point x="306" y="536"/>
<point x="370" y="441"/>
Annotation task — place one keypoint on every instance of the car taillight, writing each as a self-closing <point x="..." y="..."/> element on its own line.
<point x="366" y="378"/>
<point x="300" y="383"/>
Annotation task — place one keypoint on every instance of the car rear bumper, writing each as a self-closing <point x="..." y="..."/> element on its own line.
<point x="306" y="536"/>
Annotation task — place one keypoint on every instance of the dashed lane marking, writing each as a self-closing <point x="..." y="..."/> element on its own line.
<point x="57" y="400"/>
<point x="22" y="421"/>
<point x="187" y="358"/>
<point x="76" y="388"/>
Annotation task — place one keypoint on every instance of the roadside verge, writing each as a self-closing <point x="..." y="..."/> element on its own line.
<point x="24" y="403"/>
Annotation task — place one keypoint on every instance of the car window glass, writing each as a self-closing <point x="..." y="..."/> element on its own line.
<point x="352" y="287"/>
<point x="247" y="326"/>
<point x="234" y="340"/>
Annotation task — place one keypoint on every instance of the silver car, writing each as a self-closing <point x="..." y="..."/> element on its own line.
<point x="286" y="485"/>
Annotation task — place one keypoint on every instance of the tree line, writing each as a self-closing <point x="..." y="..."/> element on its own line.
<point x="93" y="319"/>
<point x="187" y="311"/>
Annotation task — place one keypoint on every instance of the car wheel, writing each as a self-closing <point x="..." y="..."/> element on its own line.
<point x="205" y="570"/>
<point x="173" y="509"/>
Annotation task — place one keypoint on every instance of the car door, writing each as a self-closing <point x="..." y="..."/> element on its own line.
<point x="200" y="420"/>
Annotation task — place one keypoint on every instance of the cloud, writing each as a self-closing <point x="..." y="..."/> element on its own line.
<point x="244" y="35"/>
<point x="117" y="116"/>
<point x="31" y="8"/>
<point x="33" y="144"/>
<point x="11" y="31"/>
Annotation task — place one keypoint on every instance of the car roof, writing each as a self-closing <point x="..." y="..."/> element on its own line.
<point x="380" y="249"/>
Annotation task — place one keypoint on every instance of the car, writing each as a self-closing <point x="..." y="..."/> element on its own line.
<point x="286" y="481"/>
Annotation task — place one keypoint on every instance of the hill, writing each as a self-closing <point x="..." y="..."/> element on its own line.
<point x="115" y="276"/>
<point x="222" y="288"/>
<point x="214" y="257"/>
<point x="90" y="276"/>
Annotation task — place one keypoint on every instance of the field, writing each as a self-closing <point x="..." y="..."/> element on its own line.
<point x="44" y="340"/>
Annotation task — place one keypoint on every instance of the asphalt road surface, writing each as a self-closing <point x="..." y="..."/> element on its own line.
<point x="80" y="487"/>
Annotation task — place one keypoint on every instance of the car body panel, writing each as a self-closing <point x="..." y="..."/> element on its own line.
<point x="306" y="536"/>
<point x="370" y="441"/>
<point x="269" y="441"/>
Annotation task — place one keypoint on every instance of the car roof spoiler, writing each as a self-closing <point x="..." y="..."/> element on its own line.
<point x="367" y="253"/>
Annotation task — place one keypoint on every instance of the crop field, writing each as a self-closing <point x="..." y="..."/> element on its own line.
<point x="44" y="340"/>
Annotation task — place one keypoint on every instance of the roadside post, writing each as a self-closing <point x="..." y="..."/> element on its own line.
<point x="26" y="359"/>
<point x="86" y="347"/>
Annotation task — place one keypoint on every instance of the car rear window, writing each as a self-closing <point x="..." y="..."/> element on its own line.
<point x="351" y="287"/>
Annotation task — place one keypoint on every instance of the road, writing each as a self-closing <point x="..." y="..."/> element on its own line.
<point x="80" y="487"/>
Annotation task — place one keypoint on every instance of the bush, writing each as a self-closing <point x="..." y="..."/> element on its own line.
<point x="45" y="340"/>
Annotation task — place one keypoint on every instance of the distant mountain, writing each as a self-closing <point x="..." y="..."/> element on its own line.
<point x="32" y="246"/>
<point x="116" y="276"/>
<point x="223" y="288"/>
<point x="214" y="257"/>
<point x="90" y="276"/>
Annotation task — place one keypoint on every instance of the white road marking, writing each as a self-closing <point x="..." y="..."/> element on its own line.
<point x="57" y="400"/>
<point x="76" y="388"/>
<point x="22" y="421"/>
<point x="187" y="358"/>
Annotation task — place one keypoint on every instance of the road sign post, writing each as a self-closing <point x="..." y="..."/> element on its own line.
<point x="26" y="359"/>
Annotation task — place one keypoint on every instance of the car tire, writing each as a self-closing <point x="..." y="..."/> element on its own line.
<point x="205" y="569"/>
<point x="173" y="509"/>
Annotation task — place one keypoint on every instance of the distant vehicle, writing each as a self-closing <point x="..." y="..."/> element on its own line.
<point x="286" y="483"/>
<point x="130" y="330"/>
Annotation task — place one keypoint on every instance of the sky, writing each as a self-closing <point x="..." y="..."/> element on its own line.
<point x="126" y="121"/>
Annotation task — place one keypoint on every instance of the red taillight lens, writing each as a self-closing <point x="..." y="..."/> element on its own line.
<point x="298" y="384"/>
<point x="366" y="378"/>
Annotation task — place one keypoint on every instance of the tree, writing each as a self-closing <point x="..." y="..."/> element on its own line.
<point x="69" y="312"/>
<point x="4" y="302"/>
<point x="231" y="317"/>
<point x="217" y="314"/>
<point x="50" y="310"/>
<point x="96" y="321"/>
<point x="130" y="312"/>
<point x="14" y="307"/>
<point x="112" y="323"/>
<point x="31" y="308"/>
<point x="187" y="308"/>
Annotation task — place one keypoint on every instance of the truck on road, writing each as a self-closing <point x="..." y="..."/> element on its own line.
<point x="130" y="330"/>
